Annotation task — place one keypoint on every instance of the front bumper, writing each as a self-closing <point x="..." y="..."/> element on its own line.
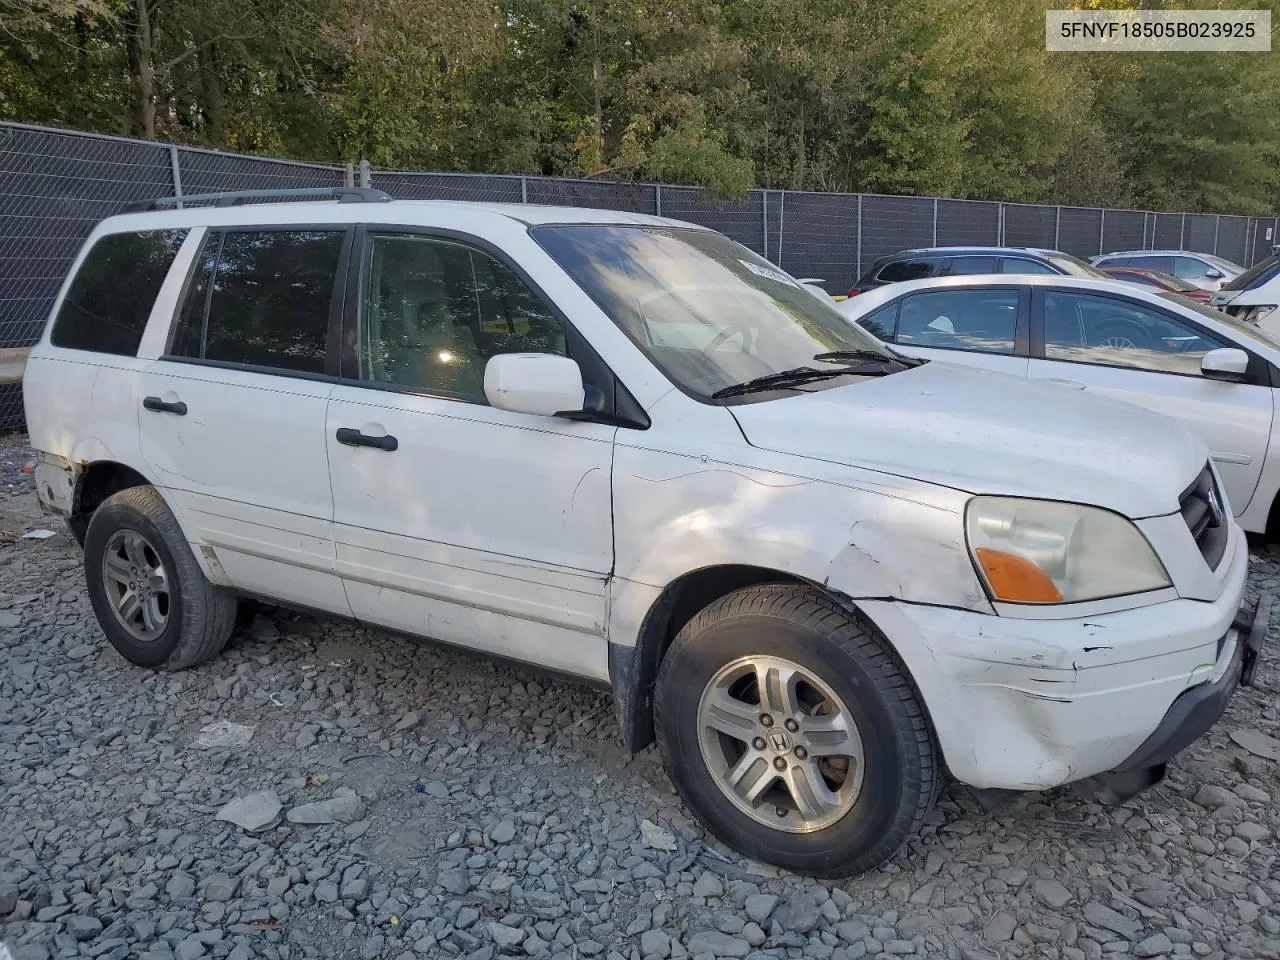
<point x="1198" y="709"/>
<point x="1023" y="704"/>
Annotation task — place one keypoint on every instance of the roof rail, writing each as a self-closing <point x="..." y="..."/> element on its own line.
<point x="340" y="194"/>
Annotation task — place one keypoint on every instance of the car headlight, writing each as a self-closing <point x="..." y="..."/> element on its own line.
<point x="1041" y="551"/>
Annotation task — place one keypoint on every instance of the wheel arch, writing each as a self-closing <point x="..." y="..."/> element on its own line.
<point x="633" y="670"/>
<point x="96" y="481"/>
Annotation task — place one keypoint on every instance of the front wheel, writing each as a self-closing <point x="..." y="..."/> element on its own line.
<point x="792" y="731"/>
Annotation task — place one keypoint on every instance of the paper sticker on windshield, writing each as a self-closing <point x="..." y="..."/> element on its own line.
<point x="767" y="273"/>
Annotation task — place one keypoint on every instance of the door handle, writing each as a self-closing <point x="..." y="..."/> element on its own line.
<point x="1075" y="384"/>
<point x="354" y="438"/>
<point x="165" y="406"/>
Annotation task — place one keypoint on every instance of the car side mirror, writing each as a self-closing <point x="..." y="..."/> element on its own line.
<point x="542" y="384"/>
<point x="1225" y="363"/>
<point x="1212" y="274"/>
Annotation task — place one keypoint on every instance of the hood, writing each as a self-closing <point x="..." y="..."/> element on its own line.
<point x="985" y="432"/>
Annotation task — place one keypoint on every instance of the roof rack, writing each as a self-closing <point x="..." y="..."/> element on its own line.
<point x="340" y="194"/>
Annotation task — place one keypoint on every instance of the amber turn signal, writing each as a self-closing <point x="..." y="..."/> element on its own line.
<point x="1016" y="580"/>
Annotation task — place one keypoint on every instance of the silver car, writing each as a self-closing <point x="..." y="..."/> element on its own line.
<point x="1205" y="270"/>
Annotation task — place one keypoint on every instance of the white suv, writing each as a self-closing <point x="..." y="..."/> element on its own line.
<point x="629" y="450"/>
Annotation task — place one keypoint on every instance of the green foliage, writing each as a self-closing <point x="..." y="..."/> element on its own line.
<point x="951" y="97"/>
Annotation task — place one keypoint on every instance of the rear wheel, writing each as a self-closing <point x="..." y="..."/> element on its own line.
<point x="150" y="596"/>
<point x="791" y="730"/>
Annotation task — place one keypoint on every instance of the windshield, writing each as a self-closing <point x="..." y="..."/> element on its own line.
<point x="1265" y="269"/>
<point x="707" y="311"/>
<point x="1226" y="265"/>
<point x="1074" y="265"/>
<point x="1238" y="327"/>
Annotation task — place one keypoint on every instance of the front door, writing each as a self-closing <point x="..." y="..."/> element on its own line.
<point x="233" y="413"/>
<point x="455" y="520"/>
<point x="1135" y="352"/>
<point x="973" y="326"/>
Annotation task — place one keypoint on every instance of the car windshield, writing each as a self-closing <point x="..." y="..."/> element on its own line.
<point x="1239" y="328"/>
<point x="707" y="311"/>
<point x="1226" y="265"/>
<point x="1246" y="280"/>
<point x="1074" y="266"/>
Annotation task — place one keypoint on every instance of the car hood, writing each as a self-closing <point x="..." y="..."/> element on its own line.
<point x="986" y="432"/>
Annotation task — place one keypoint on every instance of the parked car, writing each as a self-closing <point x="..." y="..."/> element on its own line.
<point x="1155" y="349"/>
<point x="1161" y="281"/>
<point x="631" y="451"/>
<point x="1254" y="295"/>
<point x="1202" y="269"/>
<point x="955" y="261"/>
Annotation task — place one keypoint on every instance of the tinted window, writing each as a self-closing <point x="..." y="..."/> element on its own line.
<point x="1161" y="264"/>
<point x="1264" y="271"/>
<point x="435" y="311"/>
<point x="269" y="304"/>
<point x="1024" y="265"/>
<point x="899" y="270"/>
<point x="110" y="299"/>
<point x="967" y="266"/>
<point x="1143" y="278"/>
<point x="978" y="320"/>
<point x="881" y="322"/>
<point x="1089" y="329"/>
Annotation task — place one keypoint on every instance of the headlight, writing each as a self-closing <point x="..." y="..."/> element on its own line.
<point x="1040" y="551"/>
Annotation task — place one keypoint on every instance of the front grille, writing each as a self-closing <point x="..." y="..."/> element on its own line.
<point x="1206" y="517"/>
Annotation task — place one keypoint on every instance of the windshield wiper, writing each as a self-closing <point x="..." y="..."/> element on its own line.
<point x="874" y="355"/>
<point x="787" y="378"/>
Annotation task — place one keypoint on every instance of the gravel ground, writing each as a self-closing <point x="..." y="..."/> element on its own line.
<point x="477" y="811"/>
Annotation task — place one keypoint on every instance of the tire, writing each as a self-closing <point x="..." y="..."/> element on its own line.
<point x="190" y="620"/>
<point x="1121" y="332"/>
<point x="882" y="800"/>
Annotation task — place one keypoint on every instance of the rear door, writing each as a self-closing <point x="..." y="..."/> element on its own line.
<point x="233" y="413"/>
<point x="976" y="326"/>
<point x="1136" y="352"/>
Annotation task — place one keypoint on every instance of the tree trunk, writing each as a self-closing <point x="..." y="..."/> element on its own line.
<point x="82" y="47"/>
<point x="596" y="81"/>
<point x="213" y="100"/>
<point x="137" y="25"/>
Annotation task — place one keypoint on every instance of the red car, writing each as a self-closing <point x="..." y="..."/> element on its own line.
<point x="1162" y="281"/>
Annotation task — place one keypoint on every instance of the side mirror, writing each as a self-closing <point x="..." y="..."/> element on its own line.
<point x="1225" y="363"/>
<point x="1212" y="274"/>
<point x="542" y="384"/>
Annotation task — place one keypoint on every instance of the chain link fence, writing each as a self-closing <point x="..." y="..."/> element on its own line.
<point x="55" y="185"/>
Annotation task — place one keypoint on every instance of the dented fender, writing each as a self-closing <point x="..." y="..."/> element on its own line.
<point x="915" y="556"/>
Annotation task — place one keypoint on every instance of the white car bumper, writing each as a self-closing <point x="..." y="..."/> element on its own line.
<point x="1004" y="721"/>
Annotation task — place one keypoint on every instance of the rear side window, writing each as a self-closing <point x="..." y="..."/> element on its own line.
<point x="899" y="270"/>
<point x="1160" y="264"/>
<point x="268" y="302"/>
<point x="110" y="299"/>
